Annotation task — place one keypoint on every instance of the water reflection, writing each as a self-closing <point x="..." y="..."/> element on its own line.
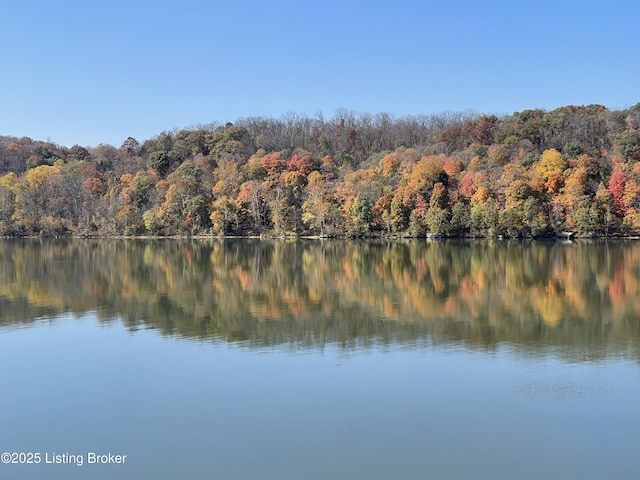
<point x="580" y="299"/>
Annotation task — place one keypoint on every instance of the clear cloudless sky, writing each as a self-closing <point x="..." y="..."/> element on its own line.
<point x="90" y="72"/>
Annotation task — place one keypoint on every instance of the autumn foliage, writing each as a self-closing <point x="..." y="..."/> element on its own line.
<point x="534" y="173"/>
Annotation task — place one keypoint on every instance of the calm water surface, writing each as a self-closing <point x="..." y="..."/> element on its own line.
<point x="309" y="360"/>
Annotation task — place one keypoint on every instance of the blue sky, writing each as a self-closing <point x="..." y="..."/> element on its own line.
<point x="97" y="72"/>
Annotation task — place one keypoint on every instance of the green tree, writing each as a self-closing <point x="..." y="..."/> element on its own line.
<point x="628" y="144"/>
<point x="399" y="214"/>
<point x="358" y="216"/>
<point x="534" y="217"/>
<point x="437" y="220"/>
<point x="160" y="162"/>
<point x="511" y="222"/>
<point x="460" y="219"/>
<point x="484" y="218"/>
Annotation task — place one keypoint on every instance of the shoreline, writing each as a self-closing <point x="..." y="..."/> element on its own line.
<point x="318" y="237"/>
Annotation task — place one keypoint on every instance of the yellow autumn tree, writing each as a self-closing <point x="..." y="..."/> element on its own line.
<point x="546" y="173"/>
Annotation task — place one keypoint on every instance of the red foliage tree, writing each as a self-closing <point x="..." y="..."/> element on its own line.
<point x="616" y="187"/>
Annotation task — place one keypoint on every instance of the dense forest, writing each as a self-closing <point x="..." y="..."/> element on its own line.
<point x="572" y="170"/>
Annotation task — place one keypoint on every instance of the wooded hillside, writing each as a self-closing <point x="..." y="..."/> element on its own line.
<point x="534" y="173"/>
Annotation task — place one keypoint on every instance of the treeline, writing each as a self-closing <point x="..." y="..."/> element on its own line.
<point x="534" y="173"/>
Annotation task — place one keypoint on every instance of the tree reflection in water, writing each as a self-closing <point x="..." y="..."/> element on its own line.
<point x="581" y="297"/>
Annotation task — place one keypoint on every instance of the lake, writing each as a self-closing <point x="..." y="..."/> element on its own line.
<point x="249" y="359"/>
